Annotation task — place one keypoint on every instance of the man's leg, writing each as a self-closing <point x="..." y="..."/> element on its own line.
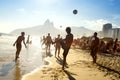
<point x="64" y="57"/>
<point x="58" y="51"/>
<point x="95" y="57"/>
<point x="17" y="52"/>
<point x="92" y="55"/>
<point x="55" y="50"/>
<point x="46" y="48"/>
<point x="64" y="61"/>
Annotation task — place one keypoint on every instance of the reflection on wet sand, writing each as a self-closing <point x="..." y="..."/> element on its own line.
<point x="17" y="71"/>
<point x="5" y="68"/>
<point x="30" y="59"/>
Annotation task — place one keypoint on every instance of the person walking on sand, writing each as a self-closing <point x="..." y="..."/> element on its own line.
<point x="43" y="40"/>
<point x="48" y="42"/>
<point x="115" y="45"/>
<point x="18" y="44"/>
<point x="94" y="47"/>
<point x="57" y="45"/>
<point x="66" y="44"/>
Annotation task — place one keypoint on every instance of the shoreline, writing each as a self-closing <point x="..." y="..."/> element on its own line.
<point x="78" y="68"/>
<point x="47" y="63"/>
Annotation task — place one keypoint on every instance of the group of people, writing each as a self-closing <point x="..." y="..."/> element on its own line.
<point x="110" y="47"/>
<point x="47" y="41"/>
<point x="94" y="44"/>
<point x="64" y="43"/>
<point x="59" y="42"/>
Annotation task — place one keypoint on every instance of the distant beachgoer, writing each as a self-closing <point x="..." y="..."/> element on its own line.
<point x="43" y="40"/>
<point x="57" y="45"/>
<point x="66" y="44"/>
<point x="94" y="47"/>
<point x="115" y="45"/>
<point x="48" y="42"/>
<point x="18" y="44"/>
<point x="102" y="47"/>
<point x="28" y="40"/>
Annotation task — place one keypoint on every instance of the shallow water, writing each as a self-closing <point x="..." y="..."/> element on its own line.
<point x="30" y="58"/>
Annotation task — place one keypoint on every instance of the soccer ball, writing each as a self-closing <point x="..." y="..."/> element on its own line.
<point x="75" y="11"/>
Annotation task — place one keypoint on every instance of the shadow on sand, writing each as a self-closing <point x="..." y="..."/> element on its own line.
<point x="69" y="74"/>
<point x="59" y="60"/>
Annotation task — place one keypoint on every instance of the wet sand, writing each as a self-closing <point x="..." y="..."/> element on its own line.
<point x="30" y="59"/>
<point x="80" y="67"/>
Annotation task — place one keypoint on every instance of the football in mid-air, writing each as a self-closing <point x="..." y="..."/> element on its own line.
<point x="75" y="11"/>
<point x="60" y="26"/>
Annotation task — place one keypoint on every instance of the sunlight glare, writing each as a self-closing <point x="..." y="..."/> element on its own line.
<point x="36" y="41"/>
<point x="47" y="2"/>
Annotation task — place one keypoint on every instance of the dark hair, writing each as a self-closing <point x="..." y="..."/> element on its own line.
<point x="48" y="33"/>
<point x="68" y="29"/>
<point x="22" y="33"/>
<point x="95" y="33"/>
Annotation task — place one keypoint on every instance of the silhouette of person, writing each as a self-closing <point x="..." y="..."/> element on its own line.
<point x="28" y="39"/>
<point x="115" y="45"/>
<point x="18" y="44"/>
<point x="57" y="45"/>
<point x="94" y="47"/>
<point x="48" y="42"/>
<point x="66" y="44"/>
<point x="43" y="40"/>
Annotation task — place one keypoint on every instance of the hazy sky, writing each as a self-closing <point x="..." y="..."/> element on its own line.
<point x="92" y="14"/>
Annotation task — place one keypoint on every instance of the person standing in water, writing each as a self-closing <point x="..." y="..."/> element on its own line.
<point x="94" y="47"/>
<point x="48" y="42"/>
<point x="66" y="44"/>
<point x="57" y="45"/>
<point x="28" y="39"/>
<point x="19" y="45"/>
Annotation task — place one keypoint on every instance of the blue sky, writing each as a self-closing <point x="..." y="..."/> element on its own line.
<point x="92" y="14"/>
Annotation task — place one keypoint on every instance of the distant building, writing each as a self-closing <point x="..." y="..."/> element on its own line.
<point x="116" y="33"/>
<point x="110" y="32"/>
<point x="107" y="29"/>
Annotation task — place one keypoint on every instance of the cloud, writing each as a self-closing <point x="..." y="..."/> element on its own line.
<point x="116" y="16"/>
<point x="95" y="24"/>
<point x="46" y="2"/>
<point x="20" y="10"/>
<point x="37" y="12"/>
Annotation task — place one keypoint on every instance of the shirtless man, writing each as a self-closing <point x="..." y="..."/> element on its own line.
<point x="66" y="44"/>
<point x="48" y="42"/>
<point x="18" y="44"/>
<point x="43" y="40"/>
<point x="94" y="47"/>
<point x="115" y="45"/>
<point x="28" y="39"/>
<point x="57" y="45"/>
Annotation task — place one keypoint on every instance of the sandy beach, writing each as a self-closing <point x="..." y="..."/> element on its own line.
<point x="80" y="67"/>
<point x="30" y="65"/>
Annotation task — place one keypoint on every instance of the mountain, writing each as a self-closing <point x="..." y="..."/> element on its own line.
<point x="4" y="34"/>
<point x="48" y="27"/>
<point x="81" y="31"/>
